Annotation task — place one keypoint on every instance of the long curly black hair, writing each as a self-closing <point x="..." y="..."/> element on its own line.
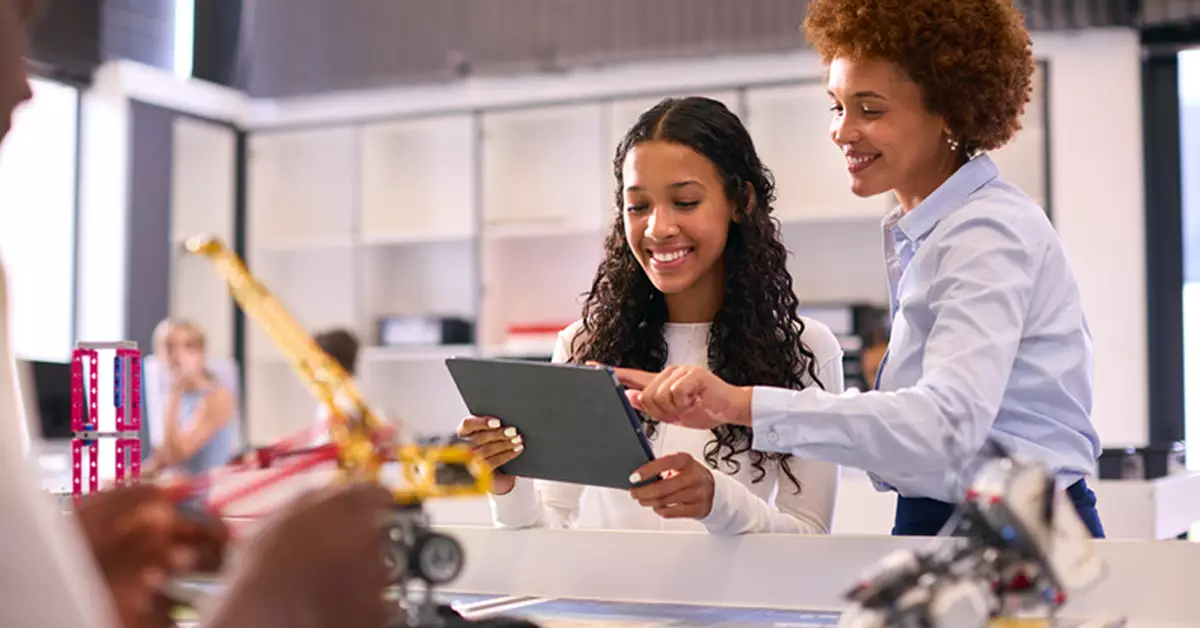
<point x="754" y="338"/>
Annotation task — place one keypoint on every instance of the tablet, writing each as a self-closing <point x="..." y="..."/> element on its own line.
<point x="576" y="422"/>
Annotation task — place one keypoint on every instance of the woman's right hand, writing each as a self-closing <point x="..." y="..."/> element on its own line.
<point x="496" y="444"/>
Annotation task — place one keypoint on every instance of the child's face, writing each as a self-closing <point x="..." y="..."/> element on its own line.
<point x="183" y="353"/>
<point x="14" y="45"/>
<point x="676" y="216"/>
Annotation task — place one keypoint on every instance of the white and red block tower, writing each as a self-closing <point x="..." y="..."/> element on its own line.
<point x="85" y="413"/>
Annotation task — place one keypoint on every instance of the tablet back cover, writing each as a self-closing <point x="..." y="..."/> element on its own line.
<point x="577" y="424"/>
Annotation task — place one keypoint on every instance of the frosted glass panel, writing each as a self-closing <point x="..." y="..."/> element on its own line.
<point x="1022" y="161"/>
<point x="544" y="165"/>
<point x="278" y="404"/>
<point x="420" y="279"/>
<point x="536" y="281"/>
<point x="419" y="393"/>
<point x="418" y="179"/>
<point x="302" y="187"/>
<point x="318" y="287"/>
<point x="204" y="168"/>
<point x="790" y="127"/>
<point x="203" y="196"/>
<point x="37" y="222"/>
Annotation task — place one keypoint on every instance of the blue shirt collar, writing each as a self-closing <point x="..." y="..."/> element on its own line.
<point x="949" y="196"/>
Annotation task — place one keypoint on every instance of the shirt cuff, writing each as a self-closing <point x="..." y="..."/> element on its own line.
<point x="774" y="429"/>
<point x="517" y="508"/>
<point x="722" y="515"/>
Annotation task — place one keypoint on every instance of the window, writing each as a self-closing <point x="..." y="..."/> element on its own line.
<point x="1189" y="158"/>
<point x="37" y="221"/>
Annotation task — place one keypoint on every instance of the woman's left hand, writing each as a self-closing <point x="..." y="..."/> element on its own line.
<point x="685" y="490"/>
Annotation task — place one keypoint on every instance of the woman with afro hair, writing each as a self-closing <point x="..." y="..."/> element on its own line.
<point x="694" y="272"/>
<point x="989" y="342"/>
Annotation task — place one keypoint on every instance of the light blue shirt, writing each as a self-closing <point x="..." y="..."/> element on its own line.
<point x="989" y="341"/>
<point x="216" y="452"/>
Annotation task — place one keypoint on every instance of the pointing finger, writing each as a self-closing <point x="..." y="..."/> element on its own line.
<point x="633" y="379"/>
<point x="635" y="400"/>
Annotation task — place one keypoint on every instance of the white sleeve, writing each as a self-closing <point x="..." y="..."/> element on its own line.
<point x="537" y="504"/>
<point x="49" y="579"/>
<point x="808" y="510"/>
<point x="984" y="281"/>
<point x="541" y="503"/>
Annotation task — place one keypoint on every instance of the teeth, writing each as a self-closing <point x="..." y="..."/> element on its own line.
<point x="859" y="160"/>
<point x="669" y="256"/>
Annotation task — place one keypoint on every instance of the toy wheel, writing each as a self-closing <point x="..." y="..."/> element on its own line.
<point x="437" y="559"/>
<point x="395" y="554"/>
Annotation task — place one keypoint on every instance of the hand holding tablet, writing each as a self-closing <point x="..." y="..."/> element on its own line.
<point x="686" y="490"/>
<point x="496" y="444"/>
<point x="573" y="422"/>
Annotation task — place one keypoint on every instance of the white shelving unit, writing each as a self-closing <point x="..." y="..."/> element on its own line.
<point x="499" y="217"/>
<point x="203" y="195"/>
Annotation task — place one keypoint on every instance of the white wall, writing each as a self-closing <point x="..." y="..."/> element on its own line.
<point x="1095" y="135"/>
<point x="1099" y="208"/>
<point x="1189" y="127"/>
<point x="37" y="221"/>
<point x="103" y="210"/>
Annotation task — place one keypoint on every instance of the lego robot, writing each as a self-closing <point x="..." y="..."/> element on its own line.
<point x="361" y="443"/>
<point x="1018" y="549"/>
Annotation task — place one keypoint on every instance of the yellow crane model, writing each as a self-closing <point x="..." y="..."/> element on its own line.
<point x="362" y="443"/>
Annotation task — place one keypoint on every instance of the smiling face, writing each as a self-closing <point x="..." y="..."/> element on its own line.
<point x="677" y="221"/>
<point x="890" y="140"/>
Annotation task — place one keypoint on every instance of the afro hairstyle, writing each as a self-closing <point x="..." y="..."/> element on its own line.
<point x="972" y="59"/>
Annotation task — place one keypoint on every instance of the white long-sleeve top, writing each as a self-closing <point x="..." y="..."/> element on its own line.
<point x="48" y="578"/>
<point x="740" y="506"/>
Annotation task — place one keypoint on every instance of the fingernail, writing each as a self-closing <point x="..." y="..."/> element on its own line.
<point x="512" y="431"/>
<point x="635" y="478"/>
<point x="519" y="448"/>
<point x="493" y="423"/>
<point x="516" y="441"/>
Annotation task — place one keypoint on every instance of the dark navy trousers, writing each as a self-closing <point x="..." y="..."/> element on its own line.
<point x="921" y="516"/>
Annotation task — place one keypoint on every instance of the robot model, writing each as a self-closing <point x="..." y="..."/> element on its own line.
<point x="1018" y="549"/>
<point x="360" y="443"/>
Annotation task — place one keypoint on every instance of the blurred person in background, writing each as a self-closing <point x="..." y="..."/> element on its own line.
<point x="317" y="565"/>
<point x="198" y="431"/>
<point x="343" y="347"/>
<point x="874" y="336"/>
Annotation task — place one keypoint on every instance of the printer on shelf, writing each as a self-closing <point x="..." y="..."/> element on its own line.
<point x="404" y="330"/>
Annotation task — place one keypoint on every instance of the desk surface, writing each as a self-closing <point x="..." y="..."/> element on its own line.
<point x="571" y="613"/>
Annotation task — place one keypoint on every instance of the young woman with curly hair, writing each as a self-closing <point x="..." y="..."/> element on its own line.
<point x="694" y="273"/>
<point x="989" y="341"/>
